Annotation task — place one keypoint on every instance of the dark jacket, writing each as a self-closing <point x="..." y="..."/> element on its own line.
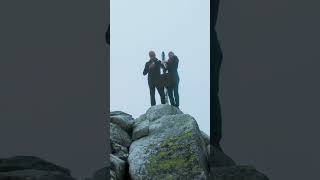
<point x="153" y="73"/>
<point x="172" y="67"/>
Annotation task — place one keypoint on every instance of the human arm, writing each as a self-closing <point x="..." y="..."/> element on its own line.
<point x="175" y="63"/>
<point x="146" y="69"/>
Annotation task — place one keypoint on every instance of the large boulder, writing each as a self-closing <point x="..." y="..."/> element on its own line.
<point x="156" y="112"/>
<point x="206" y="140"/>
<point x="165" y="143"/>
<point x="173" y="149"/>
<point x="124" y="121"/>
<point x="115" y="113"/>
<point x="119" y="136"/>
<point x="140" y="119"/>
<point x="32" y="168"/>
<point x="120" y="151"/>
<point x="118" y="168"/>
<point x="205" y="137"/>
<point x="140" y="129"/>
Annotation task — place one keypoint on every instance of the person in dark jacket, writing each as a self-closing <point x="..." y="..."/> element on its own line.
<point x="173" y="78"/>
<point x="152" y="68"/>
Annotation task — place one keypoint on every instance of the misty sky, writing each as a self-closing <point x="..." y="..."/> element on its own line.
<point x="182" y="26"/>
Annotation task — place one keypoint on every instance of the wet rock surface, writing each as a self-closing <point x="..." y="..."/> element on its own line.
<point x="168" y="144"/>
<point x="163" y="143"/>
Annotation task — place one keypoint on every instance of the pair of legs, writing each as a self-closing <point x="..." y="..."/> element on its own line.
<point x="153" y="92"/>
<point x="173" y="93"/>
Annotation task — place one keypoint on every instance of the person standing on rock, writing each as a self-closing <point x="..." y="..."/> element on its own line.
<point x="152" y="68"/>
<point x="173" y="78"/>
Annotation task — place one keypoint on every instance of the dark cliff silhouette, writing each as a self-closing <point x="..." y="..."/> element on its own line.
<point x="107" y="35"/>
<point x="216" y="122"/>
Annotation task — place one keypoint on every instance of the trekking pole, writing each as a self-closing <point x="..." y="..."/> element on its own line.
<point x="163" y="72"/>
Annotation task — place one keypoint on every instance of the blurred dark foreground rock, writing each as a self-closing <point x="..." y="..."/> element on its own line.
<point x="31" y="168"/>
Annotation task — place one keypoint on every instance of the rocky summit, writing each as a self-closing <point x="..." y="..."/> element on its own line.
<point x="162" y="144"/>
<point x="166" y="144"/>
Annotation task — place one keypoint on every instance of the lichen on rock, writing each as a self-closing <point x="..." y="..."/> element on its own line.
<point x="168" y="144"/>
<point x="173" y="148"/>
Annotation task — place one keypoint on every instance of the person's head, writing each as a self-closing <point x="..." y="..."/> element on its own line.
<point x="171" y="55"/>
<point x="152" y="54"/>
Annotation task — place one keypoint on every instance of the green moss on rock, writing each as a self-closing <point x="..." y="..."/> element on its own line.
<point x="174" y="156"/>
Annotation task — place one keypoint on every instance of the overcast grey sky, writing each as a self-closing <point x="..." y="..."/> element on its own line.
<point x="182" y="26"/>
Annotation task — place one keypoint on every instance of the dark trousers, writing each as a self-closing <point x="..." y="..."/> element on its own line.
<point x="173" y="93"/>
<point x="153" y="92"/>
